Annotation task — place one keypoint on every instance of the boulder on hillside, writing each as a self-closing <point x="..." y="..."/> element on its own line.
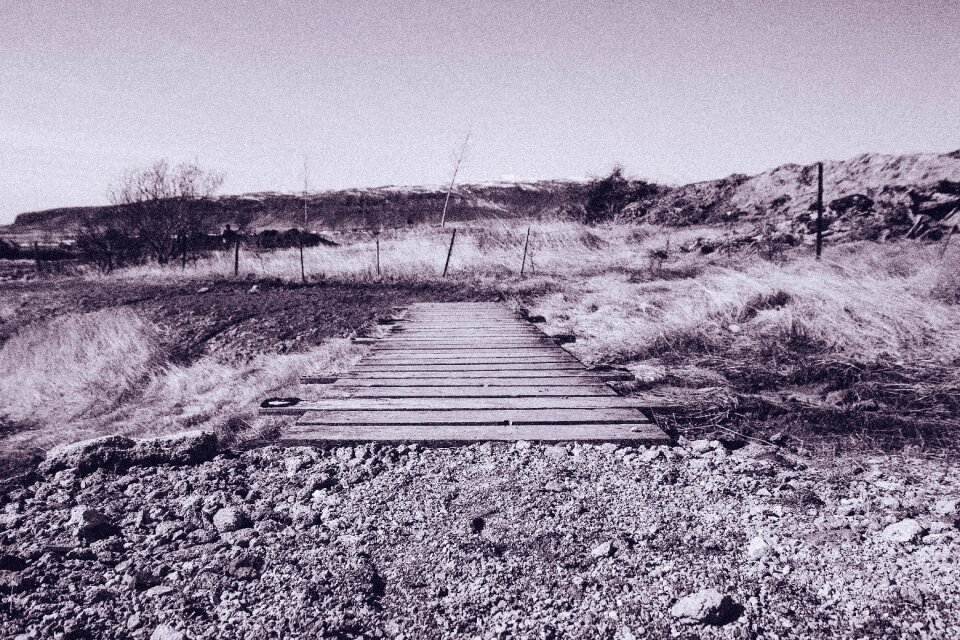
<point x="853" y="203"/>
<point x="117" y="453"/>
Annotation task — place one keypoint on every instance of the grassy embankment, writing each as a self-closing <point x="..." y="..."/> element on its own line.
<point x="861" y="348"/>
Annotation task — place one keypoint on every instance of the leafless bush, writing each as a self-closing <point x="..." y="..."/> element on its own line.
<point x="163" y="205"/>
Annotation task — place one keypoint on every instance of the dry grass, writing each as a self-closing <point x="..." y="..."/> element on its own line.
<point x="866" y="301"/>
<point x="81" y="376"/>
<point x="490" y="250"/>
<point x="75" y="367"/>
<point x="877" y="321"/>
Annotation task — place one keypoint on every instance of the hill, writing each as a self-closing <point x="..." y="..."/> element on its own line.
<point x="351" y="208"/>
<point x="870" y="196"/>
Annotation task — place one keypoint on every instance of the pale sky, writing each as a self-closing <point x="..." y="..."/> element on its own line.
<point x="383" y="92"/>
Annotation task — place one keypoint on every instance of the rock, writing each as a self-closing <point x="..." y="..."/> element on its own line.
<point x="733" y="328"/>
<point x="304" y="516"/>
<point x="118" y="453"/>
<point x="707" y="606"/>
<point x="555" y="452"/>
<point x="553" y="486"/>
<point x="230" y="519"/>
<point x="700" y="446"/>
<point x="758" y="548"/>
<point x="133" y="622"/>
<point x="86" y="456"/>
<point x="91" y="525"/>
<point x="12" y="563"/>
<point x="936" y="538"/>
<point x="908" y="530"/>
<point x="166" y="632"/>
<point x="242" y="538"/>
<point x="603" y="550"/>
<point x="946" y="506"/>
<point x="522" y="445"/>
<point x="294" y="464"/>
<point x="609" y="447"/>
<point x="650" y="455"/>
<point x="187" y="448"/>
<point x="159" y="591"/>
<point x="253" y="289"/>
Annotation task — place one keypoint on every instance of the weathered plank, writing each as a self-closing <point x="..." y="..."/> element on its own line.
<point x="456" y="368"/>
<point x="422" y="391"/>
<point x="466" y="376"/>
<point x="469" y="352"/>
<point x="466" y="416"/>
<point x="460" y="381"/>
<point x="466" y="344"/>
<point x="444" y="358"/>
<point x="390" y="403"/>
<point x="636" y="433"/>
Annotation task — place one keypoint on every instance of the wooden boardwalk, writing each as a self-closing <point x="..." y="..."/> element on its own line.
<point x="459" y="372"/>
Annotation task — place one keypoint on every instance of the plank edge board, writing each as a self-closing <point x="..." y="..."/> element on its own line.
<point x="638" y="433"/>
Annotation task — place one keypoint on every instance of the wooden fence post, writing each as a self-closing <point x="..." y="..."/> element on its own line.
<point x="819" y="209"/>
<point x="526" y="243"/>
<point x="236" y="256"/>
<point x="449" y="252"/>
<point x="303" y="272"/>
<point x="378" y="257"/>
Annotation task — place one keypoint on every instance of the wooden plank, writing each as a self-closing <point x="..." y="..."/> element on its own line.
<point x="461" y="417"/>
<point x="467" y="404"/>
<point x="455" y="333"/>
<point x="473" y="365"/>
<point x="466" y="352"/>
<point x="466" y="376"/>
<point x="460" y="381"/>
<point x="451" y="368"/>
<point x="437" y="358"/>
<point x="463" y="346"/>
<point x="635" y="433"/>
<point x="426" y="391"/>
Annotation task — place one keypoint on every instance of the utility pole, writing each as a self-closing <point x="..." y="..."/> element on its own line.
<point x="526" y="243"/>
<point x="456" y="169"/>
<point x="819" y="209"/>
<point x="449" y="253"/>
<point x="303" y="271"/>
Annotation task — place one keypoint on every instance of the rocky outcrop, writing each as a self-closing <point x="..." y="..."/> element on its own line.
<point x="118" y="453"/>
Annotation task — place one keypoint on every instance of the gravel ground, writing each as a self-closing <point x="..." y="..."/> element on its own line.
<point x="121" y="540"/>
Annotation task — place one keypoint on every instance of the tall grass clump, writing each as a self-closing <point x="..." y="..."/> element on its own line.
<point x="867" y="302"/>
<point x="78" y="365"/>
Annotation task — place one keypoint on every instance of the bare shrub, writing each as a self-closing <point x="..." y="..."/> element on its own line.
<point x="163" y="205"/>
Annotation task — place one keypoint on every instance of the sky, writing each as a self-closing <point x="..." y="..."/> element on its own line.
<point x="377" y="93"/>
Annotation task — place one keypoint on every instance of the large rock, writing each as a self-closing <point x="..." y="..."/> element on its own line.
<point x="188" y="448"/>
<point x="166" y="632"/>
<point x="118" y="453"/>
<point x="106" y="452"/>
<point x="91" y="525"/>
<point x="230" y="519"/>
<point x="707" y="606"/>
<point x="908" y="530"/>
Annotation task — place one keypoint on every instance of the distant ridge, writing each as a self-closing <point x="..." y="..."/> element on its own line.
<point x="878" y="190"/>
